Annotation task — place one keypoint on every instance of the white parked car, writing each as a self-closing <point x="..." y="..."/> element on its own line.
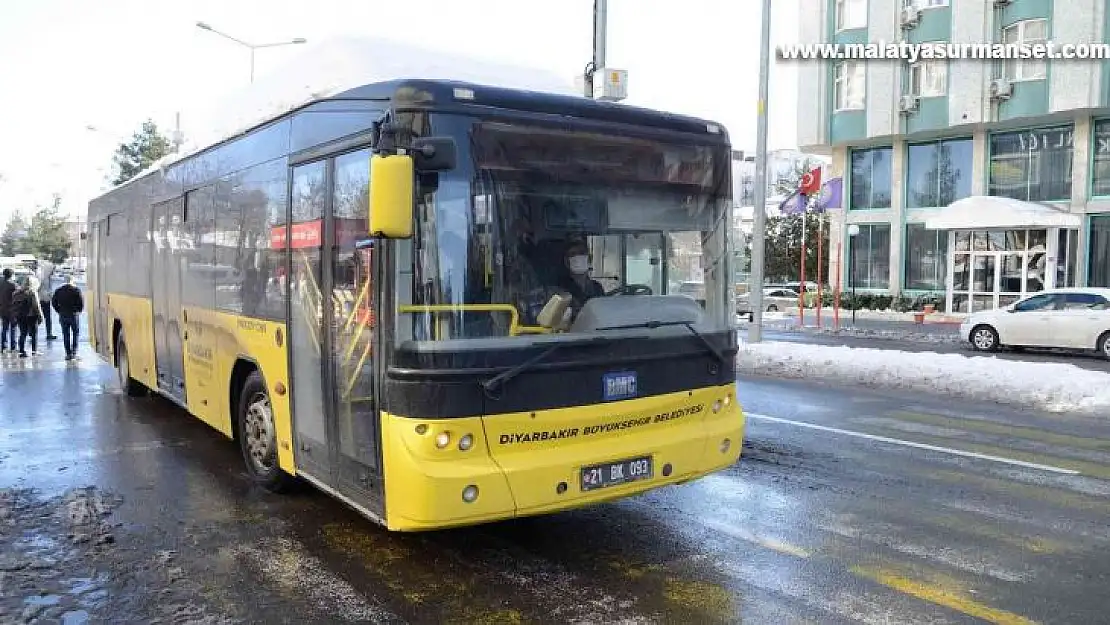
<point x="1075" y="318"/>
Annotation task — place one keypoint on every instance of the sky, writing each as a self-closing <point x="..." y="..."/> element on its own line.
<point x="79" y="77"/>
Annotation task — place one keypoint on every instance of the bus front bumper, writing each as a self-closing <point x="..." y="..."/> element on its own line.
<point x="514" y="468"/>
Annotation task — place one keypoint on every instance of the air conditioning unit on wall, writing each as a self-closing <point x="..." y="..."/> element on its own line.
<point x="1001" y="89"/>
<point x="907" y="104"/>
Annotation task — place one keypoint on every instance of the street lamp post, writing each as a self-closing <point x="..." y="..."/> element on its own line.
<point x="853" y="232"/>
<point x="250" y="46"/>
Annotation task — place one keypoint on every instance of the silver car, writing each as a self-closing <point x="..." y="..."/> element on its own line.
<point x="774" y="300"/>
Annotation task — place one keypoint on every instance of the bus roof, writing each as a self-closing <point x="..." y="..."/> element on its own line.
<point x="360" y="68"/>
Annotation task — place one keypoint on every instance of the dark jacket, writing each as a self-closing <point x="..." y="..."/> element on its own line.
<point x="7" y="290"/>
<point x="67" y="300"/>
<point x="25" y="306"/>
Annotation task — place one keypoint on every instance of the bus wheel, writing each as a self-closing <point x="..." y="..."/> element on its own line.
<point x="258" y="436"/>
<point x="130" y="385"/>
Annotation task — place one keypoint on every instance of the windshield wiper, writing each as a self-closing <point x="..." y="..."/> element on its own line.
<point x="689" y="325"/>
<point x="491" y="384"/>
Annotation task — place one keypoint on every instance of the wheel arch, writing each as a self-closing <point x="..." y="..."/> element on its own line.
<point x="242" y="369"/>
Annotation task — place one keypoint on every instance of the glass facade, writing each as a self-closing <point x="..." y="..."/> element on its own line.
<point x="869" y="257"/>
<point x="926" y="258"/>
<point x="1098" y="255"/>
<point x="1032" y="165"/>
<point x="1100" y="159"/>
<point x="938" y="173"/>
<point x="871" y="178"/>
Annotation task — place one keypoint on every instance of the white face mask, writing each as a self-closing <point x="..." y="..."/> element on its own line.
<point x="578" y="264"/>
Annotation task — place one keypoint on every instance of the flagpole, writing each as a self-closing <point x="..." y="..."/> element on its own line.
<point x="802" y="283"/>
<point x="820" y="238"/>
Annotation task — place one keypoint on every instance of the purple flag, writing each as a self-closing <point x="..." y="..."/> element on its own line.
<point x="794" y="204"/>
<point x="832" y="193"/>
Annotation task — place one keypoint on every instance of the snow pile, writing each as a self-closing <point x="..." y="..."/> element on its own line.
<point x="1054" y="387"/>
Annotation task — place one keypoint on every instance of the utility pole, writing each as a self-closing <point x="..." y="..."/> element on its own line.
<point x="759" y="225"/>
<point x="598" y="61"/>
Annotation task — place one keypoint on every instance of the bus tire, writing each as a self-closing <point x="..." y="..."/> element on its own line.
<point x="258" y="436"/>
<point x="130" y="386"/>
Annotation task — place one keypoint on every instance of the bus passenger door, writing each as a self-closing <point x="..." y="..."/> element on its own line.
<point x="351" y="332"/>
<point x="158" y="259"/>
<point x="306" y="323"/>
<point x="166" y="295"/>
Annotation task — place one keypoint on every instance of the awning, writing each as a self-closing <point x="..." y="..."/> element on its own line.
<point x="988" y="212"/>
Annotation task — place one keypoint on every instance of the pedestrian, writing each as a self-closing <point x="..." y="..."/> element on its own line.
<point x="45" y="274"/>
<point x="68" y="303"/>
<point x="8" y="324"/>
<point x="28" y="312"/>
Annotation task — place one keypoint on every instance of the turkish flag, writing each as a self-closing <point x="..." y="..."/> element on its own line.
<point x="811" y="182"/>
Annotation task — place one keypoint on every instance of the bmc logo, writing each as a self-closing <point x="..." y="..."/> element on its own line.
<point x="619" y="385"/>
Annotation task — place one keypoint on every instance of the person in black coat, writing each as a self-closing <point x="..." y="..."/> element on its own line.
<point x="68" y="303"/>
<point x="27" y="311"/>
<point x="8" y="324"/>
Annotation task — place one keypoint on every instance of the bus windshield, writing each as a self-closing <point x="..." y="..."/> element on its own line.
<point x="531" y="212"/>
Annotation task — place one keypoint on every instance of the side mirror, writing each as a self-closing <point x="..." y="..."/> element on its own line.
<point x="392" y="183"/>
<point x="434" y="153"/>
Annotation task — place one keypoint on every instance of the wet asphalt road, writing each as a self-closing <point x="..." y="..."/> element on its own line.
<point x="122" y="510"/>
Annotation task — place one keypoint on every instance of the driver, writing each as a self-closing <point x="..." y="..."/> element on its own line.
<point x="579" y="284"/>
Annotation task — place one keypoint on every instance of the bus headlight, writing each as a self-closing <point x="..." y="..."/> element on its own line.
<point x="717" y="406"/>
<point x="470" y="493"/>
<point x="443" y="439"/>
<point x="466" y="442"/>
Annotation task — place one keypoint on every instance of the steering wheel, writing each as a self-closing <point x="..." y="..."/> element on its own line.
<point x="630" y="289"/>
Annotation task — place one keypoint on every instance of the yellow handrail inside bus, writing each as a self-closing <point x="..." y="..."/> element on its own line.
<point x="515" y="327"/>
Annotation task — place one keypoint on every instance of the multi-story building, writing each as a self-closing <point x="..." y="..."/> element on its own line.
<point x="78" y="248"/>
<point x="920" y="145"/>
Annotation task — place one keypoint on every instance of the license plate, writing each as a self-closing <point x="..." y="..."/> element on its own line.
<point x="614" y="473"/>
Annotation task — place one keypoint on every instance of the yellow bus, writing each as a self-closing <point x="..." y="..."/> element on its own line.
<point x="442" y="303"/>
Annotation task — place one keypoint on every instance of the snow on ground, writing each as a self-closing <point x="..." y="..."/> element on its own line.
<point x="1054" y="387"/>
<point x="911" y="333"/>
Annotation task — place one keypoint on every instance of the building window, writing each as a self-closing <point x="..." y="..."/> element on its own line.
<point x="851" y="14"/>
<point x="1100" y="175"/>
<point x="871" y="178"/>
<point x="938" y="173"/>
<point x="869" y="257"/>
<point x="1028" y="32"/>
<point x="1032" y="165"/>
<point x="926" y="258"/>
<point x="929" y="79"/>
<point x="1098" y="258"/>
<point x="851" y="86"/>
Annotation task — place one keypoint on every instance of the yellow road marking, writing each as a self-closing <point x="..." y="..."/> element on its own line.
<point x="762" y="541"/>
<point x="941" y="597"/>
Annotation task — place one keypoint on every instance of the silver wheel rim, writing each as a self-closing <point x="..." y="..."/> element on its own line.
<point x="984" y="338"/>
<point x="1106" y="347"/>
<point x="258" y="432"/>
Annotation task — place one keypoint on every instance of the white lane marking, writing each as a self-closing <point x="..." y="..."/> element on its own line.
<point x="898" y="441"/>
